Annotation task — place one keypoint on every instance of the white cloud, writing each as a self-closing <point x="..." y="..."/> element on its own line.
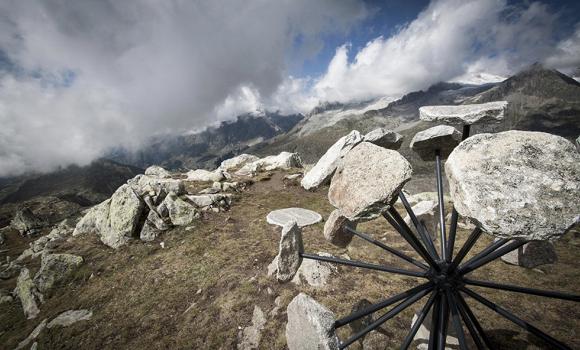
<point x="485" y="39"/>
<point x="95" y="74"/>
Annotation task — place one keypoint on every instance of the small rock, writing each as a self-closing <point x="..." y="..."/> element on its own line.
<point x="35" y="333"/>
<point x="26" y="222"/>
<point x="442" y="137"/>
<point x="315" y="273"/>
<point x="27" y="293"/>
<point x="310" y="325"/>
<point x="491" y="112"/>
<point x="368" y="181"/>
<point x="5" y="297"/>
<point x="384" y="138"/>
<point x="157" y="171"/>
<point x="290" y="250"/>
<point x="423" y="333"/>
<point x="55" y="268"/>
<point x="252" y="335"/>
<point x="322" y="172"/>
<point x="335" y="229"/>
<point x="303" y="217"/>
<point x="428" y="213"/>
<point x="70" y="317"/>
<point x="202" y="175"/>
<point x="532" y="254"/>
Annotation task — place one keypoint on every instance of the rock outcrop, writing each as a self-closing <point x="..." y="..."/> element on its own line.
<point x="517" y="184"/>
<point x="368" y="181"/>
<point x="237" y="161"/>
<point x="26" y="222"/>
<point x="284" y="160"/>
<point x="55" y="268"/>
<point x="310" y="325"/>
<point x="322" y="172"/>
<point x="157" y="171"/>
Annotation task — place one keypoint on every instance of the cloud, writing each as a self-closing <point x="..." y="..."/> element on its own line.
<point x="483" y="38"/>
<point x="78" y="77"/>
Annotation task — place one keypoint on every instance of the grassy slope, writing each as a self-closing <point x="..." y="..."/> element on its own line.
<point x="140" y="293"/>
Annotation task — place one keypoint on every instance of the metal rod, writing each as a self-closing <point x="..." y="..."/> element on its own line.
<point x="420" y="318"/>
<point x="434" y="324"/>
<point x="380" y="305"/>
<point x="466" y="129"/>
<point x="395" y="219"/>
<point x="443" y="242"/>
<point x="465" y="248"/>
<point x="525" y="290"/>
<point x="525" y="325"/>
<point x="390" y="314"/>
<point x="364" y="265"/>
<point x="452" y="234"/>
<point x="475" y="321"/>
<point x="468" y="322"/>
<point x="489" y="249"/>
<point x="423" y="234"/>
<point x="387" y="248"/>
<point x="456" y="322"/>
<point x="490" y="257"/>
<point x="443" y="321"/>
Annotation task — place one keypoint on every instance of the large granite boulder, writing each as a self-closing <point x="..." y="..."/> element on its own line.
<point x="385" y="138"/>
<point x="310" y="325"/>
<point x="202" y="175"/>
<point x="289" y="252"/>
<point x="322" y="172"/>
<point x="443" y="138"/>
<point x="157" y="171"/>
<point x="491" y="112"/>
<point x="517" y="184"/>
<point x="26" y="222"/>
<point x="153" y="185"/>
<point x="28" y="294"/>
<point x="238" y="161"/>
<point x="55" y="268"/>
<point x="532" y="254"/>
<point x="303" y="217"/>
<point x="180" y="212"/>
<point x="368" y="181"/>
<point x="335" y="229"/>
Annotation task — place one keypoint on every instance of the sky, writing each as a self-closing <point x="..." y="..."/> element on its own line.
<point x="80" y="77"/>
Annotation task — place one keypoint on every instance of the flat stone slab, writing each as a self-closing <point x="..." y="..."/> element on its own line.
<point x="441" y="137"/>
<point x="491" y="112"/>
<point x="303" y="217"/>
<point x="517" y="184"/>
<point x="384" y="138"/>
<point x="368" y="181"/>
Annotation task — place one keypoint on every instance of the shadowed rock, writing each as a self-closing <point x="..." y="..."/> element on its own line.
<point x="517" y="184"/>
<point x="335" y="229"/>
<point x="367" y="181"/>
<point x="428" y="213"/>
<point x="491" y="112"/>
<point x="322" y="172"/>
<point x="442" y="137"/>
<point x="532" y="254"/>
<point x="310" y="325"/>
<point x="289" y="252"/>
<point x="384" y="138"/>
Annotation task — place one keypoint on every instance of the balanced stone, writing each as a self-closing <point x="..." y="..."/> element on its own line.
<point x="368" y="181"/>
<point x="303" y="217"/>
<point x="335" y="229"/>
<point x="290" y="252"/>
<point x="491" y="112"/>
<point x="310" y="325"/>
<point x="322" y="172"/>
<point x="384" y="138"/>
<point x="442" y="138"/>
<point x="517" y="184"/>
<point x="532" y="254"/>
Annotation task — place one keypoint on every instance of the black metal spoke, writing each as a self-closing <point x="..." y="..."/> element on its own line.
<point x="438" y="175"/>
<point x="456" y="322"/>
<point x="452" y="234"/>
<point x="387" y="248"/>
<point x="443" y="321"/>
<point x="364" y="265"/>
<point x="398" y="223"/>
<point x="423" y="234"/>
<point x="434" y="324"/>
<point x="390" y="314"/>
<point x="469" y="323"/>
<point x="420" y="318"/>
<point x="380" y="305"/>
<point x="488" y="250"/>
<point x="518" y="321"/>
<point x="525" y="290"/>
<point x="474" y="320"/>
<point x="492" y="256"/>
<point x="465" y="248"/>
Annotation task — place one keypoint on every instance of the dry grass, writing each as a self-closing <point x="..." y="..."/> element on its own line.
<point x="139" y="294"/>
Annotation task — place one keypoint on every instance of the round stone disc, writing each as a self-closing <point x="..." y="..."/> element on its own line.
<point x="517" y="184"/>
<point x="303" y="217"/>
